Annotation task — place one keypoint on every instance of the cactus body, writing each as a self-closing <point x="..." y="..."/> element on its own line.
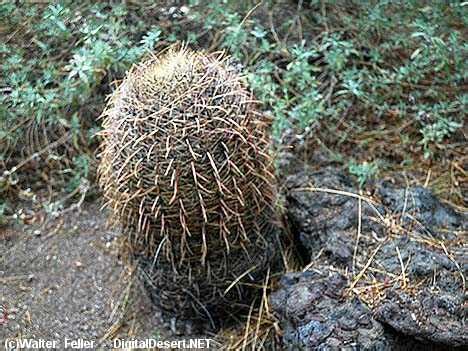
<point x="186" y="171"/>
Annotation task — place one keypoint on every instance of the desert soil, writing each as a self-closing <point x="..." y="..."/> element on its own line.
<point x="63" y="279"/>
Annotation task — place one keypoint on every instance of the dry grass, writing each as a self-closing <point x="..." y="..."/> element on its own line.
<point x="259" y="329"/>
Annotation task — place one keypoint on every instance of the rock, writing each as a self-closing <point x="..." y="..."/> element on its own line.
<point x="435" y="314"/>
<point x="420" y="204"/>
<point x="406" y="263"/>
<point x="316" y="314"/>
<point x="422" y="260"/>
<point x="323" y="219"/>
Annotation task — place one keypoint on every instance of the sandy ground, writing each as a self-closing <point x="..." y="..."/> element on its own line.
<point x="62" y="279"/>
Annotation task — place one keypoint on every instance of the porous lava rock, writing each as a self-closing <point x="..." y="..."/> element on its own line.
<point x="316" y="314"/>
<point x="401" y="251"/>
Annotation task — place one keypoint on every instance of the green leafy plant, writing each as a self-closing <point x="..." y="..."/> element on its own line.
<point x="363" y="171"/>
<point x="350" y="71"/>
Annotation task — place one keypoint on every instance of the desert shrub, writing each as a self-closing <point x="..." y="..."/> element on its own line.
<point x="357" y="75"/>
<point x="58" y="63"/>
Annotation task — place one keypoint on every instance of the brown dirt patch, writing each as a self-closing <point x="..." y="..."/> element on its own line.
<point x="63" y="278"/>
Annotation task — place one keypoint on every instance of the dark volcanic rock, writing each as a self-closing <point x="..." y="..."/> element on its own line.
<point x="317" y="315"/>
<point x="420" y="204"/>
<point x="422" y="260"/>
<point x="403" y="241"/>
<point x="432" y="314"/>
<point x="322" y="219"/>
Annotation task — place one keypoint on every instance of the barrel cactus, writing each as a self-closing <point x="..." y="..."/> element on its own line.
<point x="186" y="172"/>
